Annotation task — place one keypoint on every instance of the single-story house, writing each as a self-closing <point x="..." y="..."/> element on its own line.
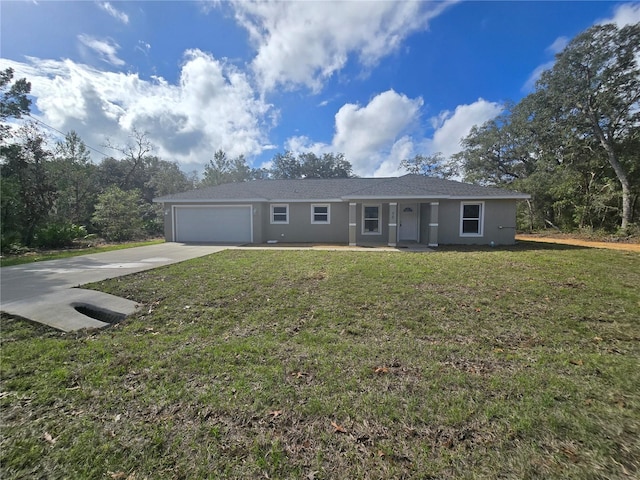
<point x="353" y="211"/>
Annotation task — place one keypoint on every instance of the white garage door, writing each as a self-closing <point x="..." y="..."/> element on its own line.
<point x="219" y="224"/>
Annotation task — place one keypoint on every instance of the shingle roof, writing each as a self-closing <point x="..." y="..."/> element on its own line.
<point x="341" y="189"/>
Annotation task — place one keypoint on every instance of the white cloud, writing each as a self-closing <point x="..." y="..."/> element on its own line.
<point x="530" y="84"/>
<point x="446" y="139"/>
<point x="114" y="12"/>
<point x="105" y="49"/>
<point x="143" y="47"/>
<point x="624" y="14"/>
<point x="212" y="106"/>
<point x="377" y="137"/>
<point x="368" y="135"/>
<point x="305" y="43"/>
<point x="558" y="45"/>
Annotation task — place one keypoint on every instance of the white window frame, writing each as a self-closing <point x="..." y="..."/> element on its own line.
<point x="313" y="213"/>
<point x="364" y="207"/>
<point x="271" y="211"/>
<point x="480" y="220"/>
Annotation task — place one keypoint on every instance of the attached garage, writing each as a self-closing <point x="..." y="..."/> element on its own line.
<point x="213" y="224"/>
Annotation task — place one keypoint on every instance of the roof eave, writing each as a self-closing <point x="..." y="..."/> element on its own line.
<point x="518" y="196"/>
<point x="208" y="200"/>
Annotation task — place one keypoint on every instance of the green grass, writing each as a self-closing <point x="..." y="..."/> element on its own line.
<point x="41" y="256"/>
<point x="504" y="363"/>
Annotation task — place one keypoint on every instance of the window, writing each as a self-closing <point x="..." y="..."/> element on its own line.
<point x="471" y="219"/>
<point x="280" y="213"/>
<point x="321" y="213"/>
<point x="371" y="220"/>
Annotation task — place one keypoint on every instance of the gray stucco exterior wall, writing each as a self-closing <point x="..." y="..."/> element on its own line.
<point x="300" y="227"/>
<point x="498" y="223"/>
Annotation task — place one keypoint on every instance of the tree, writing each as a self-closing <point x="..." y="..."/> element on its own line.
<point x="595" y="84"/>
<point x="25" y="163"/>
<point x="330" y="165"/>
<point x="14" y="102"/>
<point x="118" y="214"/>
<point x="573" y="139"/>
<point x="434" y="165"/>
<point x="134" y="154"/>
<point x="285" y="165"/>
<point x="165" y="178"/>
<point x="309" y="165"/>
<point x="222" y="169"/>
<point x="76" y="181"/>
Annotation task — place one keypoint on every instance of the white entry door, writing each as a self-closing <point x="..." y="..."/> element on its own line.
<point x="408" y="231"/>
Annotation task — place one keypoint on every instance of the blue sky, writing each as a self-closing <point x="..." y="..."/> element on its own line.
<point x="377" y="81"/>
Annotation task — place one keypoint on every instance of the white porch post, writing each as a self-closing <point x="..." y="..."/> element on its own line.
<point x="433" y="224"/>
<point x="352" y="224"/>
<point x="393" y="224"/>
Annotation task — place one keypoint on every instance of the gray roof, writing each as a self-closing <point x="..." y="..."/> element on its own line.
<point x="341" y="189"/>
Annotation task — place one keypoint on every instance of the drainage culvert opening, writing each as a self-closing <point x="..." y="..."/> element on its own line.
<point x="97" y="313"/>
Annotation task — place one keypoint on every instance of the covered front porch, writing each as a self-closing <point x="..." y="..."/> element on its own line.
<point x="401" y="222"/>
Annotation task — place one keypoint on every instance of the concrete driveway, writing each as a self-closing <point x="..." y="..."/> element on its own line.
<point x="43" y="291"/>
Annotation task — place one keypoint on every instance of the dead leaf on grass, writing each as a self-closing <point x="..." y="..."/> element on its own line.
<point x="576" y="362"/>
<point x="338" y="428"/>
<point x="381" y="370"/>
<point x="49" y="439"/>
<point x="121" y="475"/>
<point x="570" y="453"/>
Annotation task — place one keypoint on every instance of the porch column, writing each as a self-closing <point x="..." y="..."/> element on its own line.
<point x="393" y="224"/>
<point x="433" y="224"/>
<point x="352" y="224"/>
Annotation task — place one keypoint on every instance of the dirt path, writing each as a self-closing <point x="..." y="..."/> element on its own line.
<point x="628" y="247"/>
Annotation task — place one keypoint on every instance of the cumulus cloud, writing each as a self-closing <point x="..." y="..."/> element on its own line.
<point x="530" y="84"/>
<point x="456" y="126"/>
<point x="624" y="14"/>
<point x="114" y="12"/>
<point x="368" y="135"/>
<point x="212" y="106"/>
<point x="106" y="50"/>
<point x="375" y="138"/>
<point x="305" y="43"/>
<point x="558" y="45"/>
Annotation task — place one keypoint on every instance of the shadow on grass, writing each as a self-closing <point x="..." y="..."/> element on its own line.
<point x="519" y="246"/>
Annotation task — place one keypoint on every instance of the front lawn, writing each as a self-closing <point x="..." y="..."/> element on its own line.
<point x="490" y="363"/>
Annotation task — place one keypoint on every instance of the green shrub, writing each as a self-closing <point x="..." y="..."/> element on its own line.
<point x="57" y="235"/>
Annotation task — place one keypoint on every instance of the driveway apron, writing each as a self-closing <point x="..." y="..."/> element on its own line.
<point x="44" y="291"/>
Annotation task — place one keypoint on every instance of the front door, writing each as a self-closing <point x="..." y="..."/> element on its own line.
<point x="408" y="231"/>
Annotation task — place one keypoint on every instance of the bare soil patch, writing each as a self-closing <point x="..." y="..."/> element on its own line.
<point x="568" y="240"/>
